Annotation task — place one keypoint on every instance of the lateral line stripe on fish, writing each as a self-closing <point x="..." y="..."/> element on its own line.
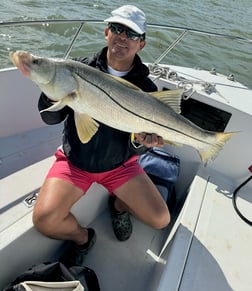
<point x="141" y="117"/>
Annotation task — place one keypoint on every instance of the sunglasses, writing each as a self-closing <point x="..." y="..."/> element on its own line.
<point x="131" y="34"/>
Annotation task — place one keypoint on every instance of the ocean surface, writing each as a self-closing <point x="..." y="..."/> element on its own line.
<point x="230" y="17"/>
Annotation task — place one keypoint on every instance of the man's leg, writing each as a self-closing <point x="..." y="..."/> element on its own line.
<point x="140" y="197"/>
<point x="52" y="217"/>
<point x="51" y="214"/>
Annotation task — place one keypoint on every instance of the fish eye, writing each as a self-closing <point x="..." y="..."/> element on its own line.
<point x="35" y="62"/>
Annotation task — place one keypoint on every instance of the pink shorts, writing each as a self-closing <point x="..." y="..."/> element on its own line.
<point x="111" y="180"/>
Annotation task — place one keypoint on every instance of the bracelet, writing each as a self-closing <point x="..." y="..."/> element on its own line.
<point x="134" y="143"/>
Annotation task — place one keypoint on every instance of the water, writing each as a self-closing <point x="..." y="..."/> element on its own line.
<point x="223" y="16"/>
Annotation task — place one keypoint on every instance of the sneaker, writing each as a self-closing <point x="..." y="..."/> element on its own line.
<point x="74" y="255"/>
<point x="120" y="221"/>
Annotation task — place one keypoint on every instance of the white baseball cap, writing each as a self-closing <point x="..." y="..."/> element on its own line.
<point x="130" y="16"/>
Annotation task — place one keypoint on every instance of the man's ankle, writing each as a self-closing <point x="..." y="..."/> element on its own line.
<point x="119" y="206"/>
<point x="83" y="237"/>
<point x="90" y="235"/>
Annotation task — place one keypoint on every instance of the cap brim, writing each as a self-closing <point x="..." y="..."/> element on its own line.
<point x="126" y="22"/>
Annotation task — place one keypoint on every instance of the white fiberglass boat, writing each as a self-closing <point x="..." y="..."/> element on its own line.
<point x="207" y="246"/>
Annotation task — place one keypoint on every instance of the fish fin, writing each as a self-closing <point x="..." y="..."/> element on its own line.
<point x="56" y="106"/>
<point x="86" y="126"/>
<point x="124" y="82"/>
<point x="172" y="98"/>
<point x="212" y="152"/>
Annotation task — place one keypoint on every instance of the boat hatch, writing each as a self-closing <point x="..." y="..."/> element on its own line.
<point x="205" y="116"/>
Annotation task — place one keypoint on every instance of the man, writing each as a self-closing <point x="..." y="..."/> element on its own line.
<point x="115" y="165"/>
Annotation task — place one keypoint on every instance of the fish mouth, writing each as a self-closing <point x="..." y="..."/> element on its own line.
<point x="20" y="60"/>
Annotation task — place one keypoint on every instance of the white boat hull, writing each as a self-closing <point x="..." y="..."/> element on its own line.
<point x="207" y="245"/>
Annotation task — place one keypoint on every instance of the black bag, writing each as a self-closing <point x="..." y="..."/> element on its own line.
<point x="58" y="272"/>
<point x="163" y="169"/>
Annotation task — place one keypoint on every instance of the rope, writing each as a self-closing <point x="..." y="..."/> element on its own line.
<point x="164" y="72"/>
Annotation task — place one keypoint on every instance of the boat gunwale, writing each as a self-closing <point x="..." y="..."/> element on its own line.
<point x="99" y="21"/>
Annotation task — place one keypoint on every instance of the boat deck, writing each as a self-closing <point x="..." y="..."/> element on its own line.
<point x="125" y="265"/>
<point x="29" y="160"/>
<point x="197" y="248"/>
<point x="220" y="248"/>
<point x="127" y="262"/>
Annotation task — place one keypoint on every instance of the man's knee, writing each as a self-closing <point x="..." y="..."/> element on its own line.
<point x="161" y="220"/>
<point x="44" y="221"/>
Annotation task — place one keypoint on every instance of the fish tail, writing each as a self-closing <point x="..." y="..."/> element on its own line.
<point x="212" y="152"/>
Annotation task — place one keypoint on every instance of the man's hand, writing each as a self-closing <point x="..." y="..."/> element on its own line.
<point x="149" y="139"/>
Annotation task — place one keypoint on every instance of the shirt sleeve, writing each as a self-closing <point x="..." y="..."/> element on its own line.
<point x="51" y="117"/>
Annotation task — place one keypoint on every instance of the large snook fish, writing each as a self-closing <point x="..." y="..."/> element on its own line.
<point x="96" y="96"/>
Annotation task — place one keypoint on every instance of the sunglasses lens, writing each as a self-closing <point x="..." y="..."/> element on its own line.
<point x="132" y="35"/>
<point x="118" y="29"/>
